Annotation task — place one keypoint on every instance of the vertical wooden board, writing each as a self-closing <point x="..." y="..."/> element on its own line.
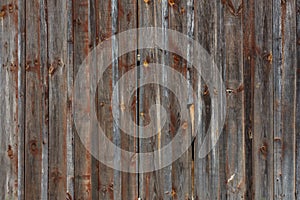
<point x="93" y="28"/>
<point x="181" y="168"/>
<point x="21" y="97"/>
<point x="285" y="99"/>
<point x="298" y="105"/>
<point x="209" y="33"/>
<point x="82" y="158"/>
<point x="45" y="97"/>
<point x="263" y="103"/>
<point x="104" y="92"/>
<point x="148" y="188"/>
<point x="127" y="15"/>
<point x="9" y="100"/>
<point x="249" y="62"/>
<point x="70" y="81"/>
<point x="234" y="138"/>
<point x="58" y="88"/>
<point x="35" y="123"/>
<point x="157" y="184"/>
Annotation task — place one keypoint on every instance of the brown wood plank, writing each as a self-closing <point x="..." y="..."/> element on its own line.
<point x="234" y="125"/>
<point x="9" y="100"/>
<point x="248" y="50"/>
<point x="58" y="102"/>
<point x="127" y="19"/>
<point x="285" y="65"/>
<point x="82" y="158"/>
<point x="182" y="167"/>
<point x="35" y="122"/>
<point x="104" y="92"/>
<point x="262" y="102"/>
<point x="209" y="33"/>
<point x="158" y="184"/>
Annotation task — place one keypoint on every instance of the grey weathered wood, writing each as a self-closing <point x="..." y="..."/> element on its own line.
<point x="256" y="47"/>
<point x="234" y="125"/>
<point x="128" y="20"/>
<point x="298" y="106"/>
<point x="207" y="27"/>
<point x="82" y="158"/>
<point x="70" y="125"/>
<point x="104" y="92"/>
<point x="262" y="102"/>
<point x="9" y="100"/>
<point x="285" y="99"/>
<point x="35" y="106"/>
<point x="45" y="100"/>
<point x="21" y="98"/>
<point x="182" y="168"/>
<point x="248" y="50"/>
<point x="58" y="102"/>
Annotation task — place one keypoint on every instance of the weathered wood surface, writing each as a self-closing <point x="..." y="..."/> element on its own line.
<point x="256" y="47"/>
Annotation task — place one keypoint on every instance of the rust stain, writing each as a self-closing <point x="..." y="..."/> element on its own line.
<point x="56" y="175"/>
<point x="10" y="152"/>
<point x="3" y="11"/>
<point x="171" y="2"/>
<point x="182" y="10"/>
<point x="33" y="147"/>
<point x="128" y="16"/>
<point x="264" y="150"/>
<point x="147" y="1"/>
<point x="10" y="8"/>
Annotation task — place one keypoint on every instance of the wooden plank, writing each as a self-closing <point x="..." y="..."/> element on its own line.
<point x="9" y="100"/>
<point x="21" y="97"/>
<point x="127" y="19"/>
<point x="104" y="92"/>
<point x="248" y="50"/>
<point x="58" y="89"/>
<point x="70" y="124"/>
<point x="234" y="125"/>
<point x="285" y="65"/>
<point x="179" y="13"/>
<point x="298" y="106"/>
<point x="262" y="102"/>
<point x="209" y="32"/>
<point x="35" y="109"/>
<point x="158" y="184"/>
<point x="45" y="97"/>
<point x="115" y="76"/>
<point x="82" y="158"/>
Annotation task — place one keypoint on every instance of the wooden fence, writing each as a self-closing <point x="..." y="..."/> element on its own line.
<point x="256" y="45"/>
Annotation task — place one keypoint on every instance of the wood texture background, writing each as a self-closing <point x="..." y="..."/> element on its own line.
<point x="256" y="45"/>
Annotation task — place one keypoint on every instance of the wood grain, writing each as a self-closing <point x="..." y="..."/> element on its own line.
<point x="9" y="100"/>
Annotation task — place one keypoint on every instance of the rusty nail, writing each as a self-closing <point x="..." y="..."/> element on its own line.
<point x="147" y="1"/>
